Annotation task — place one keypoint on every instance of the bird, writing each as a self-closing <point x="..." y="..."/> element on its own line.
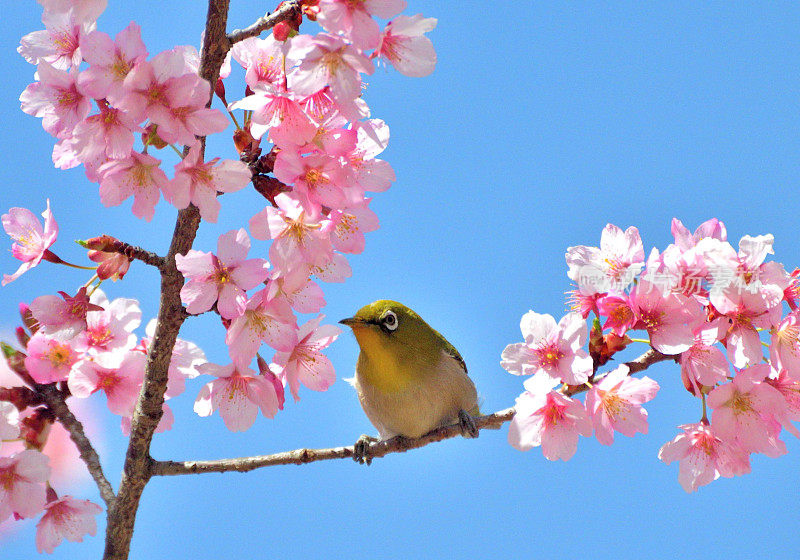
<point x="409" y="378"/>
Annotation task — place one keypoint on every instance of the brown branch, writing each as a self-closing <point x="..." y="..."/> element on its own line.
<point x="56" y="403"/>
<point x="148" y="411"/>
<point x="397" y="444"/>
<point x="375" y="450"/>
<point x="641" y="363"/>
<point x="268" y="21"/>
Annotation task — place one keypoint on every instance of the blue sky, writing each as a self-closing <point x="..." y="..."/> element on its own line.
<point x="538" y="127"/>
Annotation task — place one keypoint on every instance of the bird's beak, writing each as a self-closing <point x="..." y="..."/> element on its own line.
<point x="353" y="322"/>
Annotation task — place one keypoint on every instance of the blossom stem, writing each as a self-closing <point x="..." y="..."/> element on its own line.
<point x="79" y="267"/>
<point x="233" y="118"/>
<point x="642" y="340"/>
<point x="177" y="151"/>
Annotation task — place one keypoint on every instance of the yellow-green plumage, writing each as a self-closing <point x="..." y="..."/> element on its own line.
<point x="409" y="378"/>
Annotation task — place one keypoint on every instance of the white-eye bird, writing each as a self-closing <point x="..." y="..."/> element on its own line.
<point x="409" y="378"/>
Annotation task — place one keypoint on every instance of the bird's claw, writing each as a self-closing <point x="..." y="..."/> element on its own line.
<point x="361" y="449"/>
<point x="467" y="423"/>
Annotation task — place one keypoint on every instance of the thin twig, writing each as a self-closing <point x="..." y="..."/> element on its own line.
<point x="266" y="22"/>
<point x="375" y="450"/>
<point x="397" y="444"/>
<point x="56" y="403"/>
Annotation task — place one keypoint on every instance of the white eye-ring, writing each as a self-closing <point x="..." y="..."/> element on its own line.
<point x="389" y="320"/>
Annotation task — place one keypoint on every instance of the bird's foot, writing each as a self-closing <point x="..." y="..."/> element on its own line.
<point x="467" y="423"/>
<point x="361" y="449"/>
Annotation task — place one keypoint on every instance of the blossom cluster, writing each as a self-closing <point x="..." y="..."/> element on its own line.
<point x="111" y="108"/>
<point x="713" y="309"/>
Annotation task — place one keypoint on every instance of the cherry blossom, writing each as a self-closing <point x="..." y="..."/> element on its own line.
<point x="63" y="317"/>
<point x="22" y="491"/>
<point x="198" y="182"/>
<point x="238" y="393"/>
<point x="59" y="44"/>
<point x="743" y="409"/>
<point x="404" y="45"/>
<point x="84" y="10"/>
<point x="328" y="61"/>
<point x="110" y="62"/>
<point x="111" y="328"/>
<point x="668" y="317"/>
<point x="65" y="518"/>
<point x="550" y="348"/>
<point x="306" y="363"/>
<point x="703" y="456"/>
<point x="613" y="265"/>
<point x="354" y="19"/>
<point x="265" y="319"/>
<point x="118" y="377"/>
<point x="49" y="360"/>
<point x="222" y="278"/>
<point x="615" y="404"/>
<point x="139" y="176"/>
<point x="31" y="241"/>
<point x="9" y="421"/>
<point x="275" y="110"/>
<point x="56" y="100"/>
<point x="548" y="418"/>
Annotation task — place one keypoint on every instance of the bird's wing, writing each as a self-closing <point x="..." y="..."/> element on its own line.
<point x="451" y="351"/>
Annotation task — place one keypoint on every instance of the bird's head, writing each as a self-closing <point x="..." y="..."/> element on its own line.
<point x="389" y="326"/>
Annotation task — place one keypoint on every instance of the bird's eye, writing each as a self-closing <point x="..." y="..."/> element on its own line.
<point x="389" y="320"/>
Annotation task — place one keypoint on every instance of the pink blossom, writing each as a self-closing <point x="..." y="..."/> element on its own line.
<point x="337" y="269"/>
<point x="31" y="242"/>
<point x="110" y="62"/>
<point x="354" y="19"/>
<point x="612" y="266"/>
<point x="65" y="518"/>
<point x="668" y="317"/>
<point x="56" y="100"/>
<point x="316" y="179"/>
<point x="349" y="226"/>
<point x="139" y="176"/>
<point x="49" y="360"/>
<point x="789" y="388"/>
<point x="746" y="311"/>
<point x="238" y="393"/>
<point x="84" y="10"/>
<point x="584" y="300"/>
<point x="405" y="46"/>
<point x="617" y="310"/>
<point x="22" y="478"/>
<point x="150" y="87"/>
<point x="63" y="318"/>
<point x="184" y="114"/>
<point x="263" y="59"/>
<point x="119" y="377"/>
<point x="276" y="111"/>
<point x="703" y="456"/>
<point x="108" y="133"/>
<point x="685" y="240"/>
<point x="327" y="60"/>
<point x="198" y="182"/>
<point x="703" y="364"/>
<point x="265" y="319"/>
<point x="297" y="237"/>
<point x="59" y="44"/>
<point x="301" y="293"/>
<point x="784" y="348"/>
<point x="615" y="404"/>
<point x="363" y="169"/>
<point x="306" y="363"/>
<point x="9" y="421"/>
<point x="548" y="418"/>
<point x="743" y="409"/>
<point x="111" y="328"/>
<point x="552" y="350"/>
<point x="222" y="278"/>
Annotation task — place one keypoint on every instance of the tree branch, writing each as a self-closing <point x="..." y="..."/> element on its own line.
<point x="375" y="450"/>
<point x="56" y="403"/>
<point x="266" y="22"/>
<point x="149" y="407"/>
<point x="378" y="449"/>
